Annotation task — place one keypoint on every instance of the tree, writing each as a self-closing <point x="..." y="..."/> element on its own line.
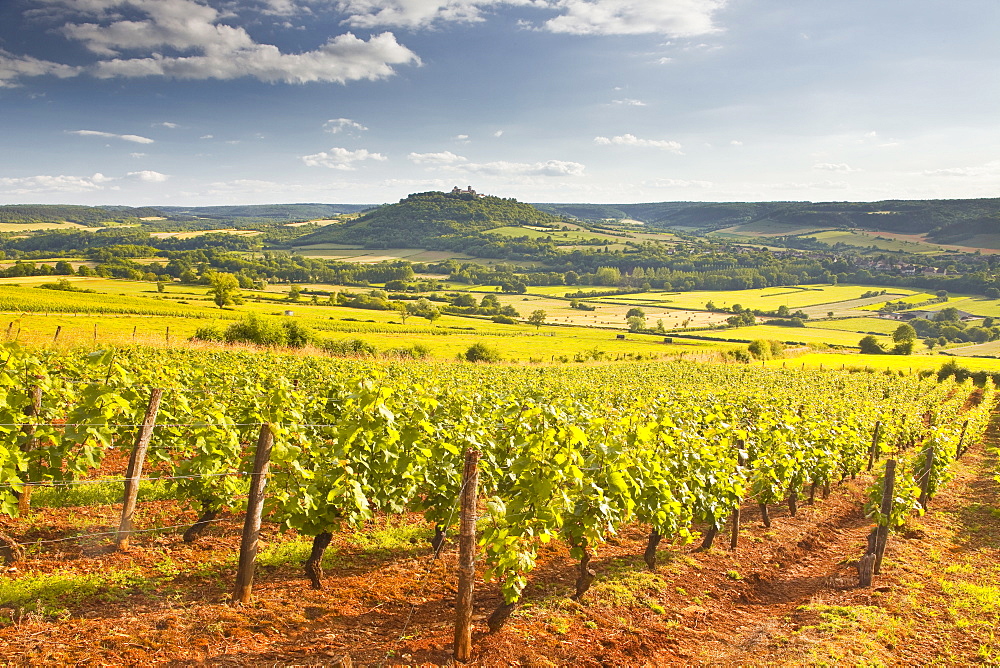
<point x="225" y="289"/>
<point x="904" y="333"/>
<point x="636" y="323"/>
<point x="537" y="318"/>
<point x="930" y="343"/>
<point x="294" y="293"/>
<point x="424" y="308"/>
<point x="400" y="308"/>
<point x="635" y="311"/>
<point x="760" y="348"/>
<point x="870" y="346"/>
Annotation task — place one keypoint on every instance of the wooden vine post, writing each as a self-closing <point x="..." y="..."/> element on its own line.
<point x="925" y="479"/>
<point x="885" y="511"/>
<point x="135" y="463"/>
<point x="959" y="451"/>
<point x="255" y="505"/>
<point x="56" y="336"/>
<point x="33" y="409"/>
<point x="466" y="557"/>
<point x="872" y="450"/>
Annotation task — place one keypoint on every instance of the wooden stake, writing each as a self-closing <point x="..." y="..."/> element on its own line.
<point x="961" y="439"/>
<point x="251" y="526"/>
<point x="885" y="509"/>
<point x="95" y="332"/>
<point x="134" y="472"/>
<point x="34" y="409"/>
<point x="735" y="535"/>
<point x="466" y="557"/>
<point x="925" y="478"/>
<point x="168" y="335"/>
<point x="872" y="450"/>
<point x="134" y="327"/>
<point x="56" y="337"/>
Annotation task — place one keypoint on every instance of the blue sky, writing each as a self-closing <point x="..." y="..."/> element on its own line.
<point x="198" y="102"/>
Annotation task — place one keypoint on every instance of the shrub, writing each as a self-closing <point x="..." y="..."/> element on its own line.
<point x="207" y="333"/>
<point x="349" y="347"/>
<point x="480" y="352"/>
<point x="870" y="346"/>
<point x="261" y="331"/>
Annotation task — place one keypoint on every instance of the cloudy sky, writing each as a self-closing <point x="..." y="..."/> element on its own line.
<point x="195" y="102"/>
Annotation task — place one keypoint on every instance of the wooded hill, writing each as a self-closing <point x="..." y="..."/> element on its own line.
<point x="91" y="216"/>
<point x="945" y="221"/>
<point x="421" y="218"/>
<point x="276" y="212"/>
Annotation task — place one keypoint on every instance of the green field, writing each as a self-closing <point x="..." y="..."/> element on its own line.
<point x="765" y="299"/>
<point x="559" y="237"/>
<point x="860" y="325"/>
<point x="976" y="305"/>
<point x="868" y="239"/>
<point x="904" y="363"/>
<point x="764" y="228"/>
<point x="807" y="335"/>
<point x="911" y="298"/>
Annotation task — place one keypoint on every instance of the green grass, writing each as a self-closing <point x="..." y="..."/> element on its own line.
<point x="55" y="594"/>
<point x="904" y="363"/>
<point x="21" y="299"/>
<point x="911" y="298"/>
<point x="765" y="299"/>
<point x="559" y="237"/>
<point x="95" y="494"/>
<point x="859" y="325"/>
<point x="868" y="239"/>
<point x="792" y="334"/>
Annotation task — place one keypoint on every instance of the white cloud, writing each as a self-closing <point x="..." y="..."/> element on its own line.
<point x="209" y="48"/>
<point x="414" y="13"/>
<point x="839" y="167"/>
<point x="436" y="159"/>
<point x="53" y="184"/>
<point x="547" y="168"/>
<point x="628" y="102"/>
<point x="449" y="161"/>
<point x="462" y="138"/>
<point x="632" y="140"/>
<point x="664" y="61"/>
<point x="498" y="133"/>
<point x="343" y="58"/>
<point x="149" y="176"/>
<point x="990" y="169"/>
<point x="206" y="137"/>
<point x="110" y="135"/>
<point x="137" y="155"/>
<point x="13" y="67"/>
<point x="337" y="125"/>
<point x="814" y="185"/>
<point x="340" y="158"/>
<point x="166" y="124"/>
<point x="677" y="183"/>
<point x="677" y="18"/>
<point x="736" y="142"/>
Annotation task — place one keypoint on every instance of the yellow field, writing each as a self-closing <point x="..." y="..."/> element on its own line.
<point x="766" y="299"/>
<point x="904" y="363"/>
<point x="792" y="334"/>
